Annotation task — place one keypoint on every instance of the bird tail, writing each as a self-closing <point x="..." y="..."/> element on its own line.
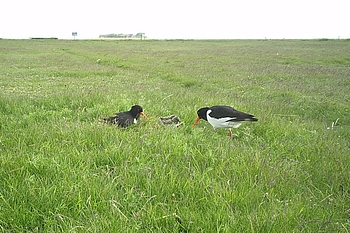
<point x="112" y="120"/>
<point x="251" y="118"/>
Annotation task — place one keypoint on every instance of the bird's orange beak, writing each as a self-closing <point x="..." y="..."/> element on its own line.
<point x="144" y="115"/>
<point x="198" y="118"/>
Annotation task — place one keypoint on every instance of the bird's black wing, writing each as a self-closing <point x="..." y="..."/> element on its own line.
<point x="230" y="112"/>
<point x="222" y="111"/>
<point x="121" y="119"/>
<point x="124" y="120"/>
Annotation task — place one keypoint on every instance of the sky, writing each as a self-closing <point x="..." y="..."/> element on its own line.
<point x="176" y="19"/>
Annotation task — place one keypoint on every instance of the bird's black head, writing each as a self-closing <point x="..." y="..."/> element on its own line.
<point x="202" y="113"/>
<point x="136" y="110"/>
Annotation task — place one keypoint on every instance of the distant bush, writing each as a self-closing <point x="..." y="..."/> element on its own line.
<point x="121" y="35"/>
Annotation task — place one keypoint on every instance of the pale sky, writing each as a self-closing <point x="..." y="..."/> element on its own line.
<point x="176" y="19"/>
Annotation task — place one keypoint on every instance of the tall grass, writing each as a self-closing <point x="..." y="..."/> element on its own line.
<point x="63" y="170"/>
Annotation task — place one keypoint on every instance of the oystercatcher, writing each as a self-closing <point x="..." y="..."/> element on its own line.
<point x="125" y="119"/>
<point x="223" y="117"/>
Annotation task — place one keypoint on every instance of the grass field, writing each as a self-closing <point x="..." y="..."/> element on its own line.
<point x="63" y="170"/>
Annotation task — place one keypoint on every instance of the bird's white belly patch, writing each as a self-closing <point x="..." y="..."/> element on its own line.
<point x="223" y="122"/>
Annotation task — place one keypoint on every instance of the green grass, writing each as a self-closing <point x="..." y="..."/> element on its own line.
<point x="63" y="170"/>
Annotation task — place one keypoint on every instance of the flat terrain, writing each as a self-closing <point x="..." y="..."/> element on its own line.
<point x="64" y="170"/>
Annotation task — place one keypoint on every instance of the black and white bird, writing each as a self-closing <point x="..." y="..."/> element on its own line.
<point x="125" y="119"/>
<point x="223" y="117"/>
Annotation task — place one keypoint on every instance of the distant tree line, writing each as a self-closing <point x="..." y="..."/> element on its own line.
<point x="139" y="35"/>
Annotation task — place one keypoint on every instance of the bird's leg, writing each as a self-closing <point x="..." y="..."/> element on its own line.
<point x="230" y="133"/>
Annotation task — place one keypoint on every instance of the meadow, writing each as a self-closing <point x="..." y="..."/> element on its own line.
<point x="64" y="170"/>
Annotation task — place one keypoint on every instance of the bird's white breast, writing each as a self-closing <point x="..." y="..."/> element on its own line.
<point x="223" y="122"/>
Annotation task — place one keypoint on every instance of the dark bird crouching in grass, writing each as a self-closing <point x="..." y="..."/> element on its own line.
<point x="125" y="119"/>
